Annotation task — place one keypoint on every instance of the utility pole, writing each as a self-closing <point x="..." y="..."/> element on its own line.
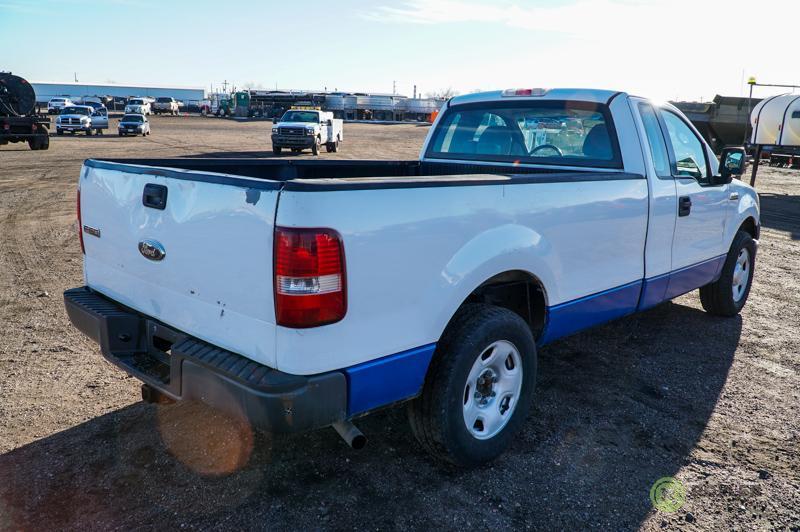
<point x="415" y="92"/>
<point x="751" y="81"/>
<point x="394" y="87"/>
<point x="75" y="75"/>
<point x="225" y="86"/>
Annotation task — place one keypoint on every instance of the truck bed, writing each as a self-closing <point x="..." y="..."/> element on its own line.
<point x="355" y="174"/>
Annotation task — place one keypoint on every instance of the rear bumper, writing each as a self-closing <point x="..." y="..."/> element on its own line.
<point x="183" y="367"/>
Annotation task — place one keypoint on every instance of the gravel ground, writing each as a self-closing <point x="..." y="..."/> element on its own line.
<point x="671" y="392"/>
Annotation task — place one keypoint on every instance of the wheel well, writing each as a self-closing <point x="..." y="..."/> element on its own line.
<point x="519" y="292"/>
<point x="749" y="226"/>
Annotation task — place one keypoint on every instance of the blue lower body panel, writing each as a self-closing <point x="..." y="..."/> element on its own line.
<point x="400" y="376"/>
<point x="676" y="283"/>
<point x="387" y="380"/>
<point x="573" y="316"/>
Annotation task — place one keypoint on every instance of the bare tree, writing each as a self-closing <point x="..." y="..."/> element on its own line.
<point x="445" y="94"/>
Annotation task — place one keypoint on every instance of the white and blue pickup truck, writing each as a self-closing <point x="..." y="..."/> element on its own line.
<point x="305" y="294"/>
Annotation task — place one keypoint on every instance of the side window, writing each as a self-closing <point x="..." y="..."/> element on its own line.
<point x="658" y="147"/>
<point x="690" y="155"/>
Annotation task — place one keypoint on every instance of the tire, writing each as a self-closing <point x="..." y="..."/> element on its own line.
<point x="44" y="140"/>
<point x="329" y="147"/>
<point x="119" y="133"/>
<point x="88" y="132"/>
<point x="276" y="150"/>
<point x="728" y="294"/>
<point x="315" y="147"/>
<point x="33" y="143"/>
<point x="59" y="132"/>
<point x="451" y="393"/>
<point x="336" y="146"/>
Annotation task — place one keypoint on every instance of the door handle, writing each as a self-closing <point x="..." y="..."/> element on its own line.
<point x="734" y="196"/>
<point x="684" y="206"/>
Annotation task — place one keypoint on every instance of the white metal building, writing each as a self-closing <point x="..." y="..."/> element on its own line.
<point x="46" y="90"/>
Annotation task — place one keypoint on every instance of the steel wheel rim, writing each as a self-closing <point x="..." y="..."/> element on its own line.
<point x="741" y="274"/>
<point x="492" y="390"/>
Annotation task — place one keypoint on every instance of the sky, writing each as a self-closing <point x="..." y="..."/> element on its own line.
<point x="663" y="49"/>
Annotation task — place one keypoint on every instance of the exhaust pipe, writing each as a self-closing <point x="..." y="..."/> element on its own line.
<point x="350" y="434"/>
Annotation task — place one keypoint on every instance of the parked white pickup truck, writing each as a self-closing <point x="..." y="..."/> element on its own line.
<point x="165" y="105"/>
<point x="300" y="129"/>
<point x="85" y="118"/>
<point x="305" y="294"/>
<point x="139" y="106"/>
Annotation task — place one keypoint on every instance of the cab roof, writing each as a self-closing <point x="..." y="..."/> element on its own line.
<point x="584" y="95"/>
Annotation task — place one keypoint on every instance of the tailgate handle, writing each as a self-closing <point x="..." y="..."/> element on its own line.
<point x="155" y="196"/>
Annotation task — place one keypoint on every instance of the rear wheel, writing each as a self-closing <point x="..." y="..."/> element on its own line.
<point x="59" y="131"/>
<point x="479" y="387"/>
<point x="88" y="132"/>
<point x="44" y="139"/>
<point x="276" y="150"/>
<point x="33" y="143"/>
<point x="728" y="294"/>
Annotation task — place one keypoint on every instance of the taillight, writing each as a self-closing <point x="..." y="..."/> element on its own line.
<point x="309" y="277"/>
<point x="80" y="221"/>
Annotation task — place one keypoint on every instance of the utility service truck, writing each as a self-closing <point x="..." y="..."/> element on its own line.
<point x="304" y="128"/>
<point x="531" y="215"/>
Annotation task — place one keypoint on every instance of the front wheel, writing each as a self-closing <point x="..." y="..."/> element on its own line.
<point x="315" y="147"/>
<point x="728" y="294"/>
<point x="479" y="386"/>
<point x="276" y="150"/>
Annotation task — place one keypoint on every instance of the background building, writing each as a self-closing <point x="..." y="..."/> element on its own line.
<point x="46" y="90"/>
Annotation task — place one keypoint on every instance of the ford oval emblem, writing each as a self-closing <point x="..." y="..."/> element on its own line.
<point x="152" y="250"/>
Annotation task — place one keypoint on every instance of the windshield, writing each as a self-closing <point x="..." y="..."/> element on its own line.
<point x="58" y="100"/>
<point x="135" y="102"/>
<point x="300" y="116"/>
<point x="164" y="100"/>
<point x="545" y="132"/>
<point x="75" y="111"/>
<point x="132" y="118"/>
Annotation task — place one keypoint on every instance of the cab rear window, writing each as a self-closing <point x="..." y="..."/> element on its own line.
<point x="544" y="132"/>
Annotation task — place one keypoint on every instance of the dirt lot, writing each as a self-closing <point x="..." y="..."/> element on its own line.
<point x="672" y="392"/>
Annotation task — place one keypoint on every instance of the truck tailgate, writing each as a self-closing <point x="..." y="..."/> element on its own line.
<point x="216" y="231"/>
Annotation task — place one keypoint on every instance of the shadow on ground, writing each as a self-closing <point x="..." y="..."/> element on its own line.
<point x="781" y="212"/>
<point x="616" y="409"/>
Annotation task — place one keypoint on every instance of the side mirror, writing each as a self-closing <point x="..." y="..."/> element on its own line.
<point x="329" y="122"/>
<point x="732" y="163"/>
